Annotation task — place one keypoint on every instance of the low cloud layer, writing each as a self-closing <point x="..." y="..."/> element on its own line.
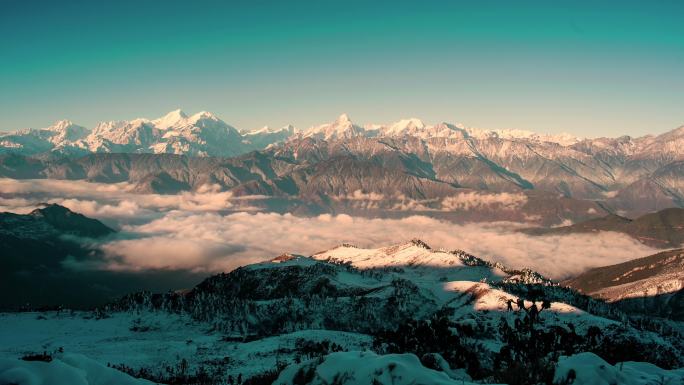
<point x="191" y="231"/>
<point x="214" y="242"/>
<point x="115" y="201"/>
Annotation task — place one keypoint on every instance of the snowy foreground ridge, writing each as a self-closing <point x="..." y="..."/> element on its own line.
<point x="360" y="368"/>
<point x="67" y="369"/>
<point x="403" y="314"/>
<point x="590" y="369"/>
<point x="348" y="368"/>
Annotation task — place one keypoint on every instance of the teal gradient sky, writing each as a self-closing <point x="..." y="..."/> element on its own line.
<point x="591" y="68"/>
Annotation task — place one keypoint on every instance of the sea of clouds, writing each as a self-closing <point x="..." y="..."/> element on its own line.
<point x="209" y="230"/>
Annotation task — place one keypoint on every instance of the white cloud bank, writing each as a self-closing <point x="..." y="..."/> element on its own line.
<point x="189" y="231"/>
<point x="116" y="201"/>
<point x="214" y="242"/>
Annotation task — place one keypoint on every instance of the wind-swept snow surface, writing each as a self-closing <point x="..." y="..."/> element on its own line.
<point x="363" y="368"/>
<point x="66" y="369"/>
<point x="590" y="369"/>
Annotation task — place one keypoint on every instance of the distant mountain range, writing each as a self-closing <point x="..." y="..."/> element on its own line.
<point x="339" y="166"/>
<point x="202" y="134"/>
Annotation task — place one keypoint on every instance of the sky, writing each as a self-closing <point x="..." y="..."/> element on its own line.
<point x="590" y="68"/>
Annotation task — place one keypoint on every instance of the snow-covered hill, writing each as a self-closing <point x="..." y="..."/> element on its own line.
<point x="361" y="368"/>
<point x="399" y="314"/>
<point x="66" y="369"/>
<point x="414" y="254"/>
<point x="661" y="229"/>
<point x="590" y="369"/>
<point x="651" y="285"/>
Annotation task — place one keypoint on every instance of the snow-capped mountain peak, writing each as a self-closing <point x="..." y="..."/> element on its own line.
<point x="203" y="115"/>
<point x="139" y="121"/>
<point x="205" y="134"/>
<point x="257" y="131"/>
<point x="265" y="130"/>
<point x="414" y="253"/>
<point x="178" y="119"/>
<point x="417" y="128"/>
<point x="405" y="126"/>
<point x="60" y="125"/>
<point x="343" y="119"/>
<point x="267" y="136"/>
<point x="171" y="119"/>
<point x="108" y="125"/>
<point x="563" y="139"/>
<point x="65" y="131"/>
<point x="341" y="128"/>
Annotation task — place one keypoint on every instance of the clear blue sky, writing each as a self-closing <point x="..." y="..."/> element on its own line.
<point x="586" y="67"/>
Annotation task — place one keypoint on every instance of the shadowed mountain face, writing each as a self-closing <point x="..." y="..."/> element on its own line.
<point x="31" y="242"/>
<point x="49" y="258"/>
<point x="652" y="284"/>
<point x="663" y="229"/>
<point x="56" y="220"/>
